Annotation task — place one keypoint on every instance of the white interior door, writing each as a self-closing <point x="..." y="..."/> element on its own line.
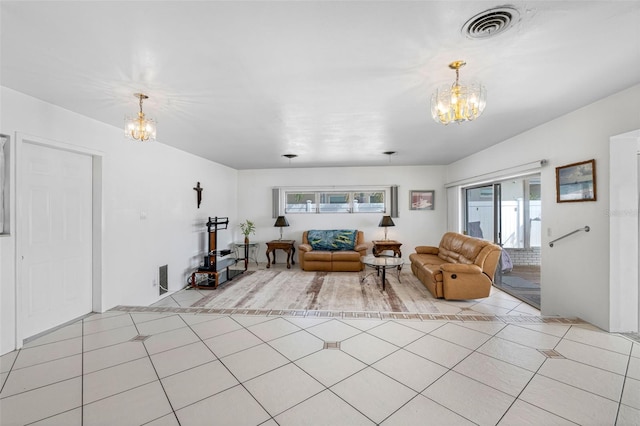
<point x="56" y="238"/>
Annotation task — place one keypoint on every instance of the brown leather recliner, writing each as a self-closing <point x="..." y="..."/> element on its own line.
<point x="321" y="260"/>
<point x="461" y="267"/>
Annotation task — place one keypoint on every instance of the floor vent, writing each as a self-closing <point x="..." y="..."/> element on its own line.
<point x="139" y="338"/>
<point x="550" y="353"/>
<point x="163" y="279"/>
<point x="331" y="345"/>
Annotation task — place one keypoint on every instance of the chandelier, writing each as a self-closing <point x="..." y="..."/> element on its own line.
<point x="140" y="128"/>
<point x="458" y="102"/>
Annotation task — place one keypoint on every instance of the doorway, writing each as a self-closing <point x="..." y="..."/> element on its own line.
<point x="55" y="237"/>
<point x="508" y="213"/>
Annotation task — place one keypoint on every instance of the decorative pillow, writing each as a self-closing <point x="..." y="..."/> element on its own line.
<point x="332" y="239"/>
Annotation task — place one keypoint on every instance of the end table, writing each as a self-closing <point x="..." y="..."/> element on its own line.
<point x="381" y="245"/>
<point x="286" y="245"/>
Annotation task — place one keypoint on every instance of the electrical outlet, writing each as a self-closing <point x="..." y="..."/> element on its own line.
<point x="548" y="232"/>
<point x="154" y="283"/>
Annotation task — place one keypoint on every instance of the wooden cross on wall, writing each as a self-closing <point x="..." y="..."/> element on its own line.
<point x="199" y="189"/>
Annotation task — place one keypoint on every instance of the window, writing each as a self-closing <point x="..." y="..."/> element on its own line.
<point x="335" y="201"/>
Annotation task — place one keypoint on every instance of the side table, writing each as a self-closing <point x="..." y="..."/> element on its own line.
<point x="286" y="245"/>
<point x="381" y="245"/>
<point x="248" y="250"/>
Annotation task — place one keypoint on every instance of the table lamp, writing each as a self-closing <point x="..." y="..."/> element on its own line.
<point x="386" y="222"/>
<point x="280" y="222"/>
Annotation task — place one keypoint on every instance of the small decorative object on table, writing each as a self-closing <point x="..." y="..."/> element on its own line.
<point x="247" y="227"/>
<point x="281" y="222"/>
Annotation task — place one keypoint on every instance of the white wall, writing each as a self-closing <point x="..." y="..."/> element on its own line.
<point x="412" y="228"/>
<point x="575" y="272"/>
<point x="149" y="180"/>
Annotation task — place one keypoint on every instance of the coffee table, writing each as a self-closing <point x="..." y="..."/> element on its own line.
<point x="382" y="263"/>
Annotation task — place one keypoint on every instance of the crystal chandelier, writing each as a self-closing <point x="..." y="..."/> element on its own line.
<point x="140" y="128"/>
<point x="458" y="102"/>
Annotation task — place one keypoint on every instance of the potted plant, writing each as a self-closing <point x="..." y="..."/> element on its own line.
<point x="247" y="227"/>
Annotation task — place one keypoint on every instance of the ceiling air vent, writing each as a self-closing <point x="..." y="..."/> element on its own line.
<point x="491" y="22"/>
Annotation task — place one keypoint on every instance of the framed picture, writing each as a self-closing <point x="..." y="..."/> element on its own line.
<point x="576" y="182"/>
<point x="422" y="199"/>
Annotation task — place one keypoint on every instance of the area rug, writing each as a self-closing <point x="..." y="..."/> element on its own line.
<point x="320" y="291"/>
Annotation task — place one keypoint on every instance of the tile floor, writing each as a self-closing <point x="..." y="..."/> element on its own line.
<point x="183" y="368"/>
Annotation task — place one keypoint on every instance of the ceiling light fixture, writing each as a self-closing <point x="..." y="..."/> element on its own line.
<point x="140" y="128"/>
<point x="458" y="102"/>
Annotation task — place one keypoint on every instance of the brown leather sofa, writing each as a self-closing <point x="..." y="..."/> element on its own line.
<point x="461" y="267"/>
<point x="324" y="260"/>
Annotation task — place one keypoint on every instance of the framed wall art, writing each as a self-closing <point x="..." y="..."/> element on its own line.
<point x="576" y="182"/>
<point x="422" y="199"/>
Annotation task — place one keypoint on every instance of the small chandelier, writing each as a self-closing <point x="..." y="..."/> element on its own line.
<point x="459" y="102"/>
<point x="140" y="128"/>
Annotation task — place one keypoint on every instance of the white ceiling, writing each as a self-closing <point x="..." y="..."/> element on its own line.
<point x="335" y="82"/>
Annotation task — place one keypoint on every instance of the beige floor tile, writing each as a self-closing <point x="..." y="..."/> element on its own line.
<point x="631" y="393"/>
<point x="109" y="337"/>
<point x="230" y="343"/>
<point x="68" y="418"/>
<point x="330" y="366"/>
<point x="635" y="352"/>
<point x="28" y="378"/>
<point x="113" y="380"/>
<point x="3" y="379"/>
<point x="67" y="332"/>
<point x="48" y="352"/>
<point x="424" y="326"/>
<point x="323" y="409"/>
<point x="600" y="339"/>
<point x="297" y="345"/>
<point x="193" y="319"/>
<point x="41" y="403"/>
<point x="367" y="348"/>
<point x="628" y="416"/>
<point x="591" y="355"/>
<point x="595" y="380"/>
<point x="179" y="359"/>
<point x="140" y="317"/>
<point x="438" y="350"/>
<point x="462" y="336"/>
<point x="209" y="329"/>
<point x="216" y="410"/>
<point x="281" y="389"/>
<point x="448" y="308"/>
<point x="524" y="414"/>
<point x="307" y="322"/>
<point x="249" y="320"/>
<point x="482" y="308"/>
<point x="495" y="373"/>
<point x="486" y="327"/>
<point x="398" y="334"/>
<point x="422" y="410"/>
<point x="633" y="370"/>
<point x="168" y="420"/>
<point x="333" y="331"/>
<point x="107" y="323"/>
<point x="513" y="353"/>
<point x="273" y="329"/>
<point x="170" y="340"/>
<point x="571" y="403"/>
<point x="161" y="325"/>
<point x="166" y="302"/>
<point x="254" y="361"/>
<point x="373" y="394"/>
<point x="112" y="355"/>
<point x="500" y="302"/>
<point x="108" y="314"/>
<point x="558" y="330"/>
<point x="7" y="360"/>
<point x="364" y="324"/>
<point x="134" y="407"/>
<point x="526" y="337"/>
<point x="410" y="369"/>
<point x="197" y="383"/>
<point x="477" y="402"/>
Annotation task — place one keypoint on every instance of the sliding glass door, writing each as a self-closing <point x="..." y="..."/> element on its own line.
<point x="509" y="214"/>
